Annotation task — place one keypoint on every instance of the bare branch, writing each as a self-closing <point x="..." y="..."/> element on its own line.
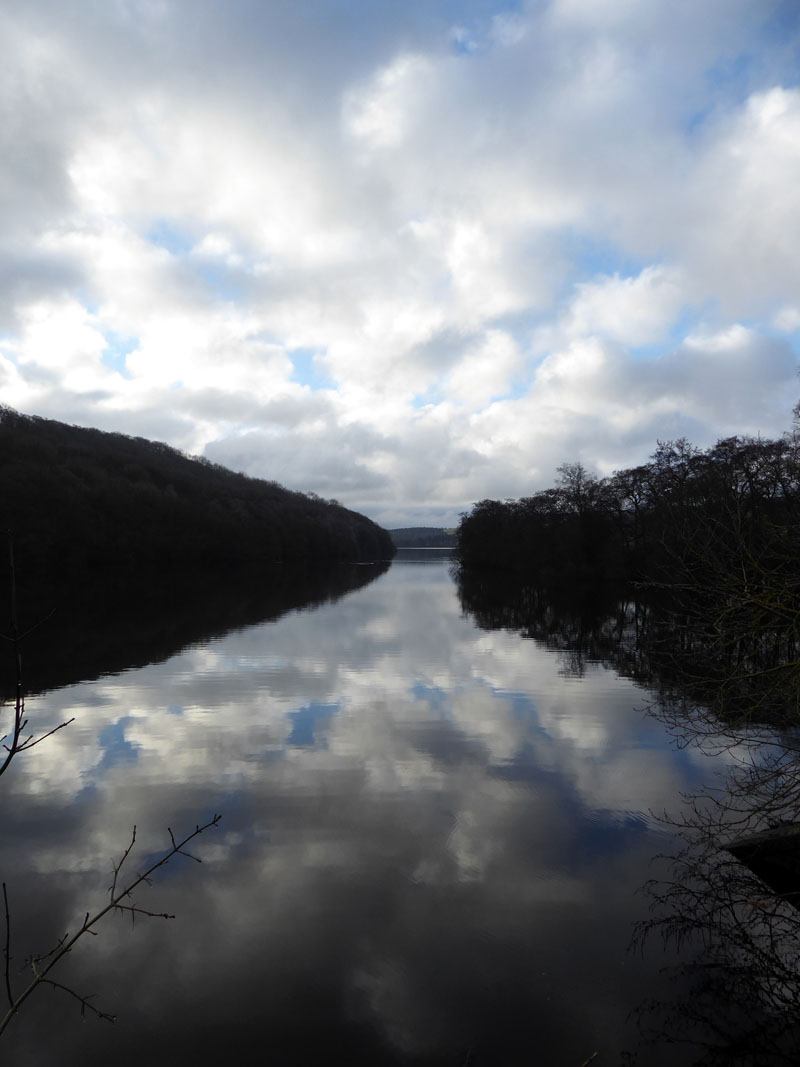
<point x="27" y="745"/>
<point x="85" y="1002"/>
<point x="115" y="904"/>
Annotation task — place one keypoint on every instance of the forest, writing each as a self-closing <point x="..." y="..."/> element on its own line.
<point x="684" y="504"/>
<point x="711" y="537"/>
<point x="76" y="498"/>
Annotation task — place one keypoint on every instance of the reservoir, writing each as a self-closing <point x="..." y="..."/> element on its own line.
<point x="435" y="835"/>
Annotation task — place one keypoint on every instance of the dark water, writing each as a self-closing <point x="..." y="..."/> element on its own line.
<point x="433" y="842"/>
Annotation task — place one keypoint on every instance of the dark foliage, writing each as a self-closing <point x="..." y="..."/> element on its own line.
<point x="80" y="498"/>
<point x="715" y="533"/>
<point x="676" y="511"/>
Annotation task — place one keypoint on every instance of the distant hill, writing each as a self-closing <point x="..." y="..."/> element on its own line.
<point x="423" y="537"/>
<point x="77" y="497"/>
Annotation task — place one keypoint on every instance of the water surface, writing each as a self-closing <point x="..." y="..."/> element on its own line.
<point x="431" y="851"/>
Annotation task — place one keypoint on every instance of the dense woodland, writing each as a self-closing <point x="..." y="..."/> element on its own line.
<point x="77" y="498"/>
<point x="684" y="501"/>
<point x="712" y="536"/>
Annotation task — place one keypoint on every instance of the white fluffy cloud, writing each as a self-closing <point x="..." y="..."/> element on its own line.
<point x="408" y="255"/>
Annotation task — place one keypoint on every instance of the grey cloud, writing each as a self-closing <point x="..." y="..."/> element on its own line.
<point x="604" y="134"/>
<point x="440" y="352"/>
<point x="328" y="463"/>
<point x="28" y="275"/>
<point x="88" y="410"/>
<point x="748" y="387"/>
<point x="285" y="410"/>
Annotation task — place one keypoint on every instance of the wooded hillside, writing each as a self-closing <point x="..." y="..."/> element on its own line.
<point x="77" y="497"/>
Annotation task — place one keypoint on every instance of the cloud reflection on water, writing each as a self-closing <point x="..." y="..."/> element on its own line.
<point x="447" y="862"/>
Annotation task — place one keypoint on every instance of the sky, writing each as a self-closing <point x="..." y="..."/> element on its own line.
<point x="407" y="254"/>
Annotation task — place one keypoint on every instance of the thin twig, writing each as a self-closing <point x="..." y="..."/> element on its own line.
<point x="114" y="904"/>
<point x="84" y="1001"/>
<point x="28" y="744"/>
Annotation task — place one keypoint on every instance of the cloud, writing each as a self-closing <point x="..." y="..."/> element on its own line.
<point x="741" y="245"/>
<point x="632" y="311"/>
<point x="507" y="236"/>
<point x="445" y="765"/>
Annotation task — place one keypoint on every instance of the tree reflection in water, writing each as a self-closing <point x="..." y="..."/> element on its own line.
<point x="729" y="900"/>
<point x="120" y="620"/>
<point x="399" y="885"/>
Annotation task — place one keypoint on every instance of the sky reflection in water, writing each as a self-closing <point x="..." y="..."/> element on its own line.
<point x="431" y="844"/>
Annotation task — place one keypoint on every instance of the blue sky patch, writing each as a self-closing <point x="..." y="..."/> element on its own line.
<point x="306" y="372"/>
<point x="306" y="720"/>
<point x="116" y="748"/>
<point x="673" y="338"/>
<point x="593" y="258"/>
<point x="222" y="281"/>
<point x="118" y="347"/>
<point x="434" y="395"/>
<point x="436" y="698"/>
<point x="523" y="706"/>
<point x="471" y="22"/>
<point x="733" y="76"/>
<point x="167" y="235"/>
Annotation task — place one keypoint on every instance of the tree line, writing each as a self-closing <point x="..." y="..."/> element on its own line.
<point x="684" y="505"/>
<point x="77" y="498"/>
<point x="707" y="619"/>
<point x="713" y="535"/>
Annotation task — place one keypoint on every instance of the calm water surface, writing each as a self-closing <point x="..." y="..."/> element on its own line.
<point x="431" y="846"/>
